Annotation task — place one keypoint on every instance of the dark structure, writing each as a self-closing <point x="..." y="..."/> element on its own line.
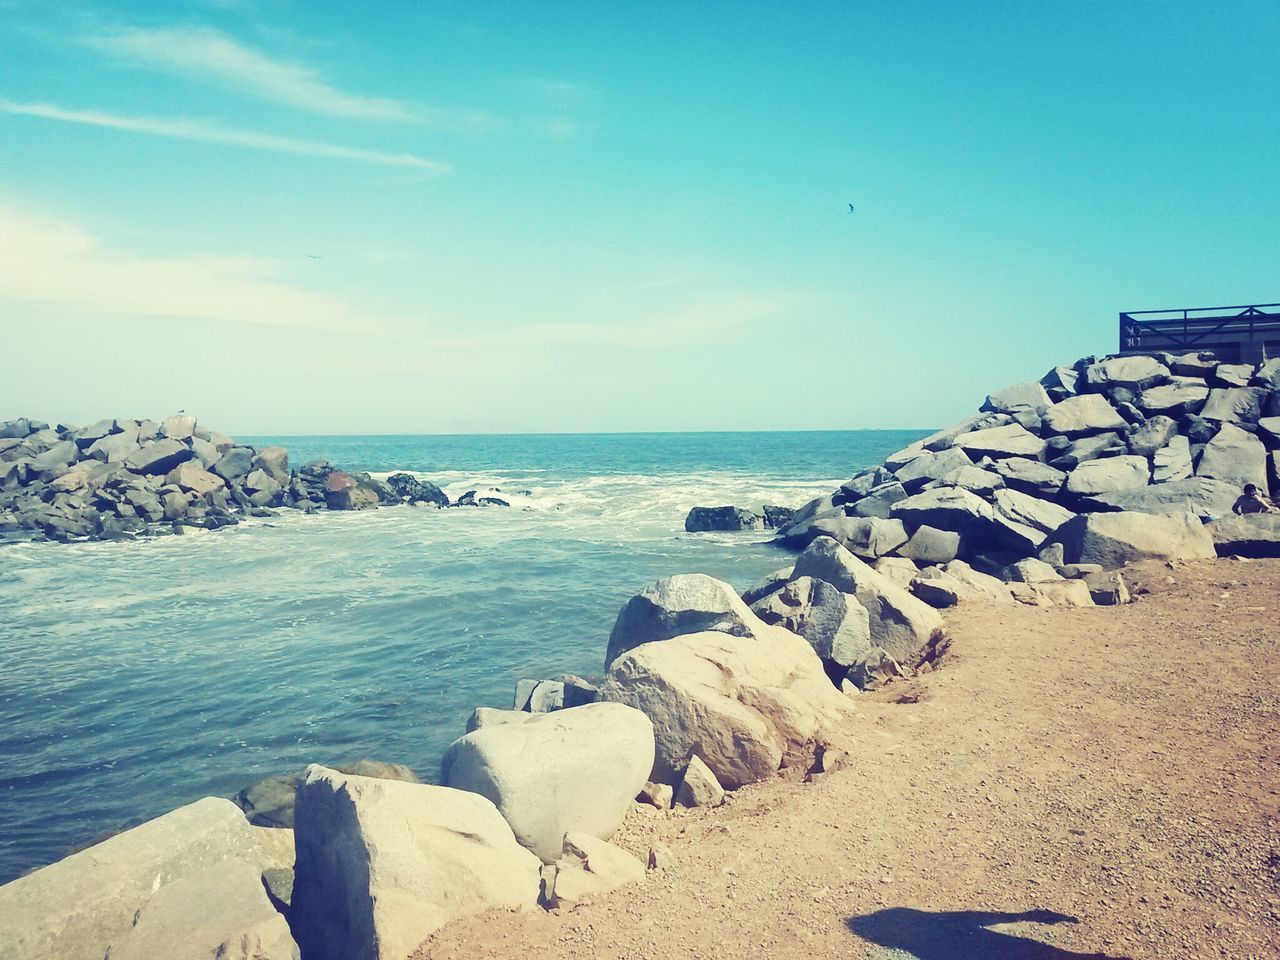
<point x="1248" y="334"/>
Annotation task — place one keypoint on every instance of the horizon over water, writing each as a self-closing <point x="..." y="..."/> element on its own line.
<point x="140" y="676"/>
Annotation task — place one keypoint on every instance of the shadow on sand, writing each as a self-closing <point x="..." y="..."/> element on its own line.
<point x="962" y="935"/>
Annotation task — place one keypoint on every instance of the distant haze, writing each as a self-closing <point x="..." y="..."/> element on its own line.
<point x="293" y="217"/>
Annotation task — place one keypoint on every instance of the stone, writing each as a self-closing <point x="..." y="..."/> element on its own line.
<point x="1269" y="431"/>
<point x="685" y="603"/>
<point x="1084" y="449"/>
<point x="411" y="489"/>
<point x="1234" y="404"/>
<point x="1201" y="496"/>
<point x="1108" y="589"/>
<point x="835" y="624"/>
<point x="931" y="466"/>
<point x="1172" y="462"/>
<point x="273" y="461"/>
<point x="722" y="518"/>
<point x="661" y="857"/>
<point x="1108" y="476"/>
<point x="382" y="864"/>
<point x="189" y="475"/>
<point x="344" y="491"/>
<point x="87" y="436"/>
<point x="1252" y="535"/>
<point x="869" y="537"/>
<point x="965" y="513"/>
<point x="938" y="590"/>
<point x="1236" y="456"/>
<point x="1233" y="374"/>
<point x="1030" y="476"/>
<point x="589" y="868"/>
<point x="1065" y="593"/>
<point x="699" y="786"/>
<point x="1029" y="511"/>
<point x="1114" y="539"/>
<point x="1268" y="375"/>
<point x="234" y="464"/>
<point x="945" y="438"/>
<point x="745" y="706"/>
<point x="1135" y="373"/>
<point x="1152" y="435"/>
<point x="193" y="870"/>
<point x="1061" y="382"/>
<point x="981" y="585"/>
<point x="574" y="769"/>
<point x="929" y="545"/>
<point x="900" y="623"/>
<point x="178" y="427"/>
<point x="1010" y="440"/>
<point x="900" y="570"/>
<point x="158" y="457"/>
<point x="1030" y="570"/>
<point x="1174" y="399"/>
<point x="766" y="585"/>
<point x="879" y="499"/>
<point x="977" y="480"/>
<point x="777" y="517"/>
<point x="206" y="453"/>
<point x="270" y="802"/>
<point x="1018" y="397"/>
<point x="874" y="669"/>
<point x="1083" y="414"/>
<point x="1198" y="365"/>
<point x="1198" y="431"/>
<point x="659" y="795"/>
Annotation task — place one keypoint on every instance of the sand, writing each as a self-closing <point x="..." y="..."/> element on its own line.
<point x="1098" y="782"/>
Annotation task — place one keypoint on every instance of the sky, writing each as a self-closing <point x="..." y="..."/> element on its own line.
<point x="298" y="216"/>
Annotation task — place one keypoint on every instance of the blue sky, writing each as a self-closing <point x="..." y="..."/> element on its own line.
<point x="449" y="217"/>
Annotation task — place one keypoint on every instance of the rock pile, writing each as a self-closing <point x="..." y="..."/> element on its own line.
<point x="119" y="478"/>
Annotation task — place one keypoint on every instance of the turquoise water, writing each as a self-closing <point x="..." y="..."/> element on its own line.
<point x="140" y="676"/>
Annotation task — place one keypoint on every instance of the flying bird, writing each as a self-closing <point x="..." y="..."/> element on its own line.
<point x="851" y="208"/>
<point x="314" y="257"/>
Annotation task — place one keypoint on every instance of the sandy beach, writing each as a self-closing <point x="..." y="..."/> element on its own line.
<point x="1114" y="766"/>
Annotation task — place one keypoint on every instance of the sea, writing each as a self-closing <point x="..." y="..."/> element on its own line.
<point x="139" y="676"/>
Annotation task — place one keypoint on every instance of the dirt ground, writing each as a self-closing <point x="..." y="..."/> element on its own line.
<point x="1097" y="782"/>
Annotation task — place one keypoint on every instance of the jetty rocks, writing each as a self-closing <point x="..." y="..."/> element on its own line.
<point x="1102" y="462"/>
<point x="120" y="478"/>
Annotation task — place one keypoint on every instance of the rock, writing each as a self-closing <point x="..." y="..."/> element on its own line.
<point x="410" y="489"/>
<point x="588" y="868"/>
<point x="15" y="429"/>
<point x="1198" y="365"/>
<point x="931" y="466"/>
<point x="194" y="870"/>
<point x="874" y="669"/>
<point x="938" y="590"/>
<point x="1065" y="593"/>
<point x="1108" y="476"/>
<point x="382" y="864"/>
<point x="1030" y="476"/>
<point x="159" y="457"/>
<point x="1029" y="511"/>
<point x="899" y="569"/>
<point x="868" y="537"/>
<point x="974" y="479"/>
<point x="269" y="802"/>
<point x="1198" y="495"/>
<point x="835" y="624"/>
<point x="766" y="585"/>
<point x="929" y="545"/>
<point x="178" y="427"/>
<point x="1107" y="589"/>
<point x="189" y="475"/>
<point x="234" y="464"/>
<point x="859" y="486"/>
<point x="1061" y="382"/>
<point x="274" y="462"/>
<point x="1031" y="570"/>
<point x="699" y="786"/>
<point x="900" y="623"/>
<point x="658" y="795"/>
<point x="1152" y="435"/>
<point x="1085" y="449"/>
<point x="776" y="517"/>
<point x="880" y="499"/>
<point x="661" y="857"/>
<point x="1114" y="539"/>
<point x="539" y="696"/>
<point x="1269" y="431"/>
<point x="1174" y="399"/>
<point x="981" y="585"/>
<point x="87" y="436"/>
<point x="1236" y="456"/>
<point x="574" y="769"/>
<point x="1251" y="535"/>
<point x="1083" y="414"/>
<point x="746" y="706"/>
<point x="1234" y="404"/>
<point x="1010" y="440"/>
<point x="344" y="491"/>
<point x="1018" y="397"/>
<point x="1134" y="373"/>
<point x="262" y="488"/>
<point x="206" y="453"/>
<point x="1233" y="374"/>
<point x="1172" y="462"/>
<point x="977" y="522"/>
<point x="686" y="603"/>
<point x="1198" y="430"/>
<point x="722" y="518"/>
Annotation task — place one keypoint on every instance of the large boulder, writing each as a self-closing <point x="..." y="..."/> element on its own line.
<point x="869" y="537"/>
<point x="234" y="464"/>
<point x="1029" y="511"/>
<point x="879" y="500"/>
<point x="979" y="524"/>
<point x="270" y="802"/>
<point x="186" y="885"/>
<point x="1010" y="440"/>
<point x="274" y="461"/>
<point x="931" y="466"/>
<point x="345" y="491"/>
<point x="159" y="457"/>
<point x="178" y="427"/>
<point x="745" y="706"/>
<point x="929" y="545"/>
<point x="382" y="864"/>
<point x="1172" y="462"/>
<point x="1236" y="456"/>
<point x="1132" y="373"/>
<point x="190" y="476"/>
<point x="685" y="603"/>
<point x="702" y="519"/>
<point x="575" y="769"/>
<point x="1234" y="404"/>
<point x="1251" y="535"/>
<point x="1031" y="476"/>
<point x="899" y="623"/>
<point x="1202" y="496"/>
<point x="1020" y="396"/>
<point x="1109" y="475"/>
<point x="1152" y="435"/>
<point x="1114" y="539"/>
<point x="835" y="623"/>
<point x="411" y="489"/>
<point x="1083" y="414"/>
<point x="1175" y="399"/>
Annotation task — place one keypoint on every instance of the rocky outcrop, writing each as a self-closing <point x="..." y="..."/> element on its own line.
<point x="547" y="773"/>
<point x="701" y="519"/>
<point x="685" y="603"/>
<point x="186" y="885"/>
<point x="382" y="864"/>
<point x="1114" y="539"/>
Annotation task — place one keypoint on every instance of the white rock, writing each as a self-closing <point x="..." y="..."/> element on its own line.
<point x="687" y="603"/>
<point x="1114" y="539"/>
<point x="1087" y="413"/>
<point x="1108" y="475"/>
<point x="699" y="786"/>
<point x="835" y="624"/>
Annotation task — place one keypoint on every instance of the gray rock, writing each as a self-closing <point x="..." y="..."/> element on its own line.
<point x="1175" y="399"/>
<point x="1135" y="373"/>
<point x="1114" y="539"/>
<point x="977" y="480"/>
<point x="1020" y="396"/>
<point x="1108" y="476"/>
<point x="766" y="585"/>
<point x="930" y="545"/>
<point x="1236" y="456"/>
<point x="1081" y="415"/>
<point x="977" y="522"/>
<point x="835" y="624"/>
<point x="1269" y="431"/>
<point x="1061" y="382"/>
<point x="866" y="536"/>
<point x="1108" y="589"/>
<point x="1268" y="375"/>
<point x="874" y="669"/>
<point x="1030" y="570"/>
<point x="115" y="447"/>
<point x="1234" y="404"/>
<point x="1152" y="435"/>
<point x="1010" y="440"/>
<point x="1029" y="511"/>
<point x="1201" y="496"/>
<point x="270" y="802"/>
<point x="861" y="485"/>
<point x="206" y="453"/>
<point x="234" y="464"/>
<point x="411" y="489"/>
<point x="189" y="475"/>
<point x="274" y="461"/>
<point x="878" y="500"/>
<point x="900" y="570"/>
<point x="722" y="518"/>
<point x="56" y="458"/>
<point x="931" y="466"/>
<point x="159" y="457"/>
<point x="1252" y="535"/>
<point x="1194" y="365"/>
<point x="1233" y="374"/>
<point x="699" y="786"/>
<point x="87" y="436"/>
<point x="777" y="517"/>
<point x="1030" y="476"/>
<point x="588" y="868"/>
<point x="382" y="865"/>
<point x="685" y="603"/>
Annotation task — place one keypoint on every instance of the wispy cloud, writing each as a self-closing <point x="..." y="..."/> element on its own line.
<point x="212" y="56"/>
<point x="204" y="131"/>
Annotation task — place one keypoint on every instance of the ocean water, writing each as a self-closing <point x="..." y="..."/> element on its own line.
<point x="136" y="677"/>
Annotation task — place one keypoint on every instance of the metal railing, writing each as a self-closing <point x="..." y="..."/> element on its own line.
<point x="1197" y="328"/>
